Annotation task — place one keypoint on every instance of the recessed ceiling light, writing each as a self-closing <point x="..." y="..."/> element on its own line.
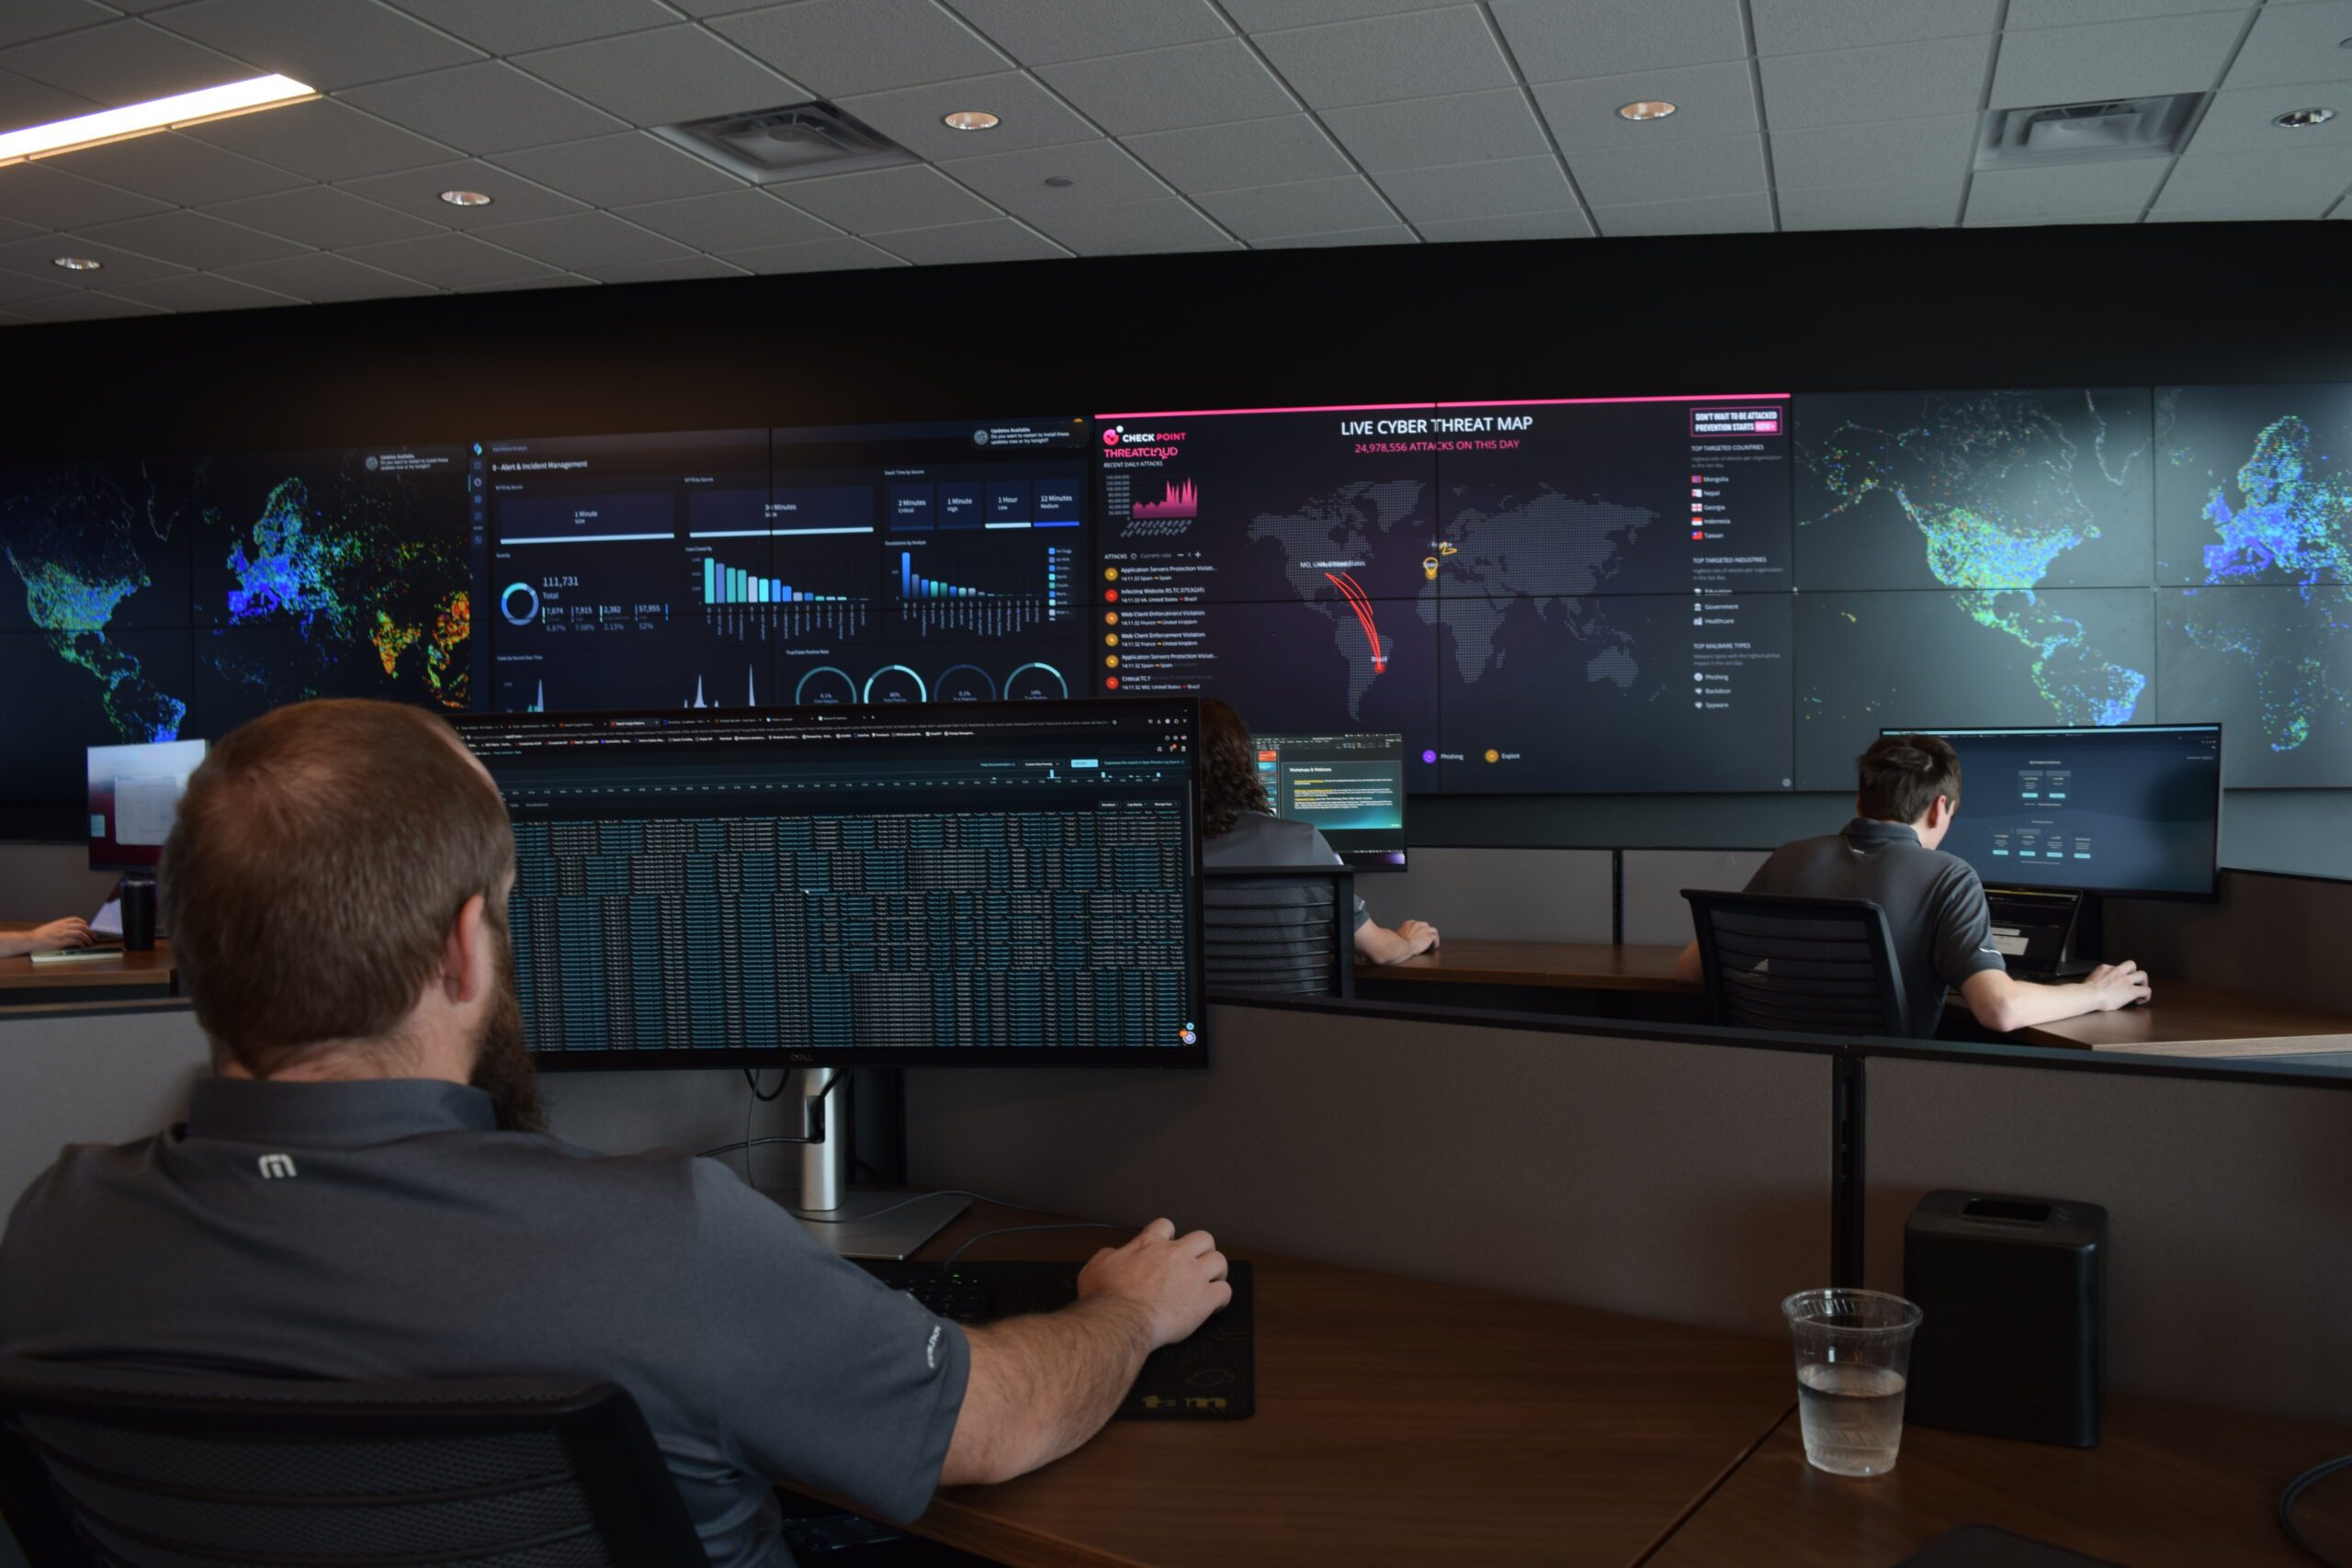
<point x="465" y="198"/>
<point x="2303" y="120"/>
<point x="77" y="264"/>
<point x="1060" y="181"/>
<point x="1647" y="108"/>
<point x="970" y="120"/>
<point x="159" y="114"/>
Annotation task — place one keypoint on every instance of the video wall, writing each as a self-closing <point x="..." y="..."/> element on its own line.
<point x="1674" y="594"/>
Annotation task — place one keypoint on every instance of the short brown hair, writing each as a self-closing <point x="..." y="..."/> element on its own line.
<point x="1229" y="781"/>
<point x="321" y="853"/>
<point x="1901" y="776"/>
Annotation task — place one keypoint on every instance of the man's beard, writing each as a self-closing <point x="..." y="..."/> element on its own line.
<point x="502" y="1067"/>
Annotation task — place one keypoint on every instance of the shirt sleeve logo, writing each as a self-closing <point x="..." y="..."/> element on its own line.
<point x="275" y="1167"/>
<point x="930" y="1349"/>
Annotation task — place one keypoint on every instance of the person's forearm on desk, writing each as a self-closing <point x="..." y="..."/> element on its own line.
<point x="70" y="932"/>
<point x="1375" y="943"/>
<point x="2003" y="1004"/>
<point x="1687" y="967"/>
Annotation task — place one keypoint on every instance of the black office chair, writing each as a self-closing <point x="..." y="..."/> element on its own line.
<point x="105" y="1468"/>
<point x="1288" y="931"/>
<point x="1818" y="965"/>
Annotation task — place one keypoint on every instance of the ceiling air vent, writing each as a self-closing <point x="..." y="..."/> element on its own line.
<point x="794" y="142"/>
<point x="2086" y="133"/>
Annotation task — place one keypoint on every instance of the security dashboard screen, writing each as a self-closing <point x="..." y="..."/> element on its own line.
<point x="2123" y="810"/>
<point x="1350" y="787"/>
<point x="861" y="883"/>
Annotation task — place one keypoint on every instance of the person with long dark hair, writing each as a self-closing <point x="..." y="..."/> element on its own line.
<point x="1242" y="830"/>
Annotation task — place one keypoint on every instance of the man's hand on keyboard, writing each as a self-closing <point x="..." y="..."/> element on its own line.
<point x="1177" y="1281"/>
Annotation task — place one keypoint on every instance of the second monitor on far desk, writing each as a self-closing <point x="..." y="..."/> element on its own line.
<point x="1348" y="787"/>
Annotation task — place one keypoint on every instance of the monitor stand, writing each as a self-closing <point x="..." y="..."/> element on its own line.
<point x="855" y="1225"/>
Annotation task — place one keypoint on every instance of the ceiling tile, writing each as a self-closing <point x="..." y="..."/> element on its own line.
<point x="1244" y="152"/>
<point x="2117" y="59"/>
<point x="2239" y="119"/>
<point x="451" y="261"/>
<point x="417" y="193"/>
<point x="122" y="62"/>
<point x="18" y="285"/>
<point x="2096" y="218"/>
<point x="1568" y="225"/>
<point x="325" y="140"/>
<point x="1555" y="42"/>
<point x="2258" y="213"/>
<point x="1750" y="214"/>
<point x="180" y="170"/>
<point x="1334" y="239"/>
<point x="1307" y="206"/>
<point x="554" y="281"/>
<point x="1672" y="171"/>
<point x="10" y="230"/>
<point x="511" y="26"/>
<point x="911" y="197"/>
<point x="839" y="47"/>
<point x="1264" y="16"/>
<point x="45" y="197"/>
<point x="1136" y="228"/>
<point x="818" y="255"/>
<point x="1029" y="116"/>
<point x="200" y="291"/>
<point x="619" y="171"/>
<point x="1855" y="87"/>
<point x="740" y="220"/>
<point x="324" y="218"/>
<point x="26" y="19"/>
<point x="2293" y="183"/>
<point x="2065" y="193"/>
<point x="193" y="240"/>
<point x="587" y="242"/>
<point x="1890" y="204"/>
<point x="330" y="44"/>
<point x="1165" y="89"/>
<point x="660" y="78"/>
<point x="675" y="269"/>
<point x="717" y="7"/>
<point x="1505" y="188"/>
<point x="37" y="257"/>
<point x="324" y="279"/>
<point x="1801" y="27"/>
<point x="2024" y="13"/>
<point x="1431" y="132"/>
<point x="1384" y="58"/>
<point x="1709" y="100"/>
<point x="995" y="239"/>
<point x="80" y="306"/>
<point x="25" y="102"/>
<point x="2295" y="43"/>
<point x="489" y="108"/>
<point x="1102" y="174"/>
<point x="1046" y="32"/>
<point x="1937" y="148"/>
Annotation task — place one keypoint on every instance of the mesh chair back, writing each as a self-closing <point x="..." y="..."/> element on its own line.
<point x="105" y="1467"/>
<point x="1279" y="931"/>
<point x="1811" y="965"/>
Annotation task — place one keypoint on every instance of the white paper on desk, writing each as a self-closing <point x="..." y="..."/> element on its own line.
<point x="108" y="921"/>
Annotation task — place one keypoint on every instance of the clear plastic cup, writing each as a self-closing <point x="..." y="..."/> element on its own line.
<point x="1853" y="1363"/>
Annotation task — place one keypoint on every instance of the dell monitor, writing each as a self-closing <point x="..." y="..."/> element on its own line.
<point x="134" y="794"/>
<point x="2131" y="810"/>
<point x="1350" y="787"/>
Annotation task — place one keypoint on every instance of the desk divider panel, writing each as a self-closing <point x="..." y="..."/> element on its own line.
<point x="1654" y="879"/>
<point x="90" y="1078"/>
<point x="2229" y="1212"/>
<point x="2281" y="937"/>
<point x="1497" y="895"/>
<point x="1680" y="1181"/>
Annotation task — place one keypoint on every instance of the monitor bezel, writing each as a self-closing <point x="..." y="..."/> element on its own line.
<point x="2221" y="763"/>
<point x="1170" y="1057"/>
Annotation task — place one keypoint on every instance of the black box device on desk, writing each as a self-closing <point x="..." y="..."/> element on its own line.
<point x="2013" y="1293"/>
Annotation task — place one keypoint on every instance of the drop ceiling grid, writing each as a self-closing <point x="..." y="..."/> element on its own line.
<point x="1295" y="125"/>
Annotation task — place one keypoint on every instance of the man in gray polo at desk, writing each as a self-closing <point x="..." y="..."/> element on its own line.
<point x="1908" y="790"/>
<point x="361" y="1190"/>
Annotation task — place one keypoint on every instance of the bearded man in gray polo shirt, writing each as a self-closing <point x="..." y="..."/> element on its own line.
<point x="363" y="1190"/>
<point x="1890" y="855"/>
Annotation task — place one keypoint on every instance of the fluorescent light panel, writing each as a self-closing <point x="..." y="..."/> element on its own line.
<point x="160" y="114"/>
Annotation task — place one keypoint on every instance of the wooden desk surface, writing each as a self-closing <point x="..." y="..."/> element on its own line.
<point x="136" y="973"/>
<point x="2168" y="1484"/>
<point x="1399" y="1422"/>
<point x="1567" y="965"/>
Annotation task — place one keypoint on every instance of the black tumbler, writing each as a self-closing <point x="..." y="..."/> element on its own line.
<point x="138" y="895"/>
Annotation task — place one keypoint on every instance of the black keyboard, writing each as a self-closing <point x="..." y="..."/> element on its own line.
<point x="1212" y="1376"/>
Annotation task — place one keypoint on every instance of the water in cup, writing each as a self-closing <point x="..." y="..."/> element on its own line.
<point x="1851" y="1418"/>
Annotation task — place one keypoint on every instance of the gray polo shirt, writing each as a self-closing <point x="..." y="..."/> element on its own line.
<point x="1934" y="903"/>
<point x="1257" y="839"/>
<point x="405" y="1236"/>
